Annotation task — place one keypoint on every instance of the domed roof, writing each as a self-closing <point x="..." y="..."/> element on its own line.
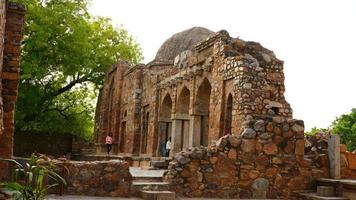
<point x="182" y="41"/>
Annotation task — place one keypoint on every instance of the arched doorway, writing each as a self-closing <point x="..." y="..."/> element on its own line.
<point x="165" y="124"/>
<point x="228" y="115"/>
<point x="201" y="114"/>
<point x="182" y="117"/>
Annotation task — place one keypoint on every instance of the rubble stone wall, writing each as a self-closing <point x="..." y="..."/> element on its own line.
<point x="98" y="178"/>
<point x="266" y="161"/>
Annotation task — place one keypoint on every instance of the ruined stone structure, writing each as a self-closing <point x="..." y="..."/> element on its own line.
<point x="201" y="86"/>
<point x="11" y="27"/>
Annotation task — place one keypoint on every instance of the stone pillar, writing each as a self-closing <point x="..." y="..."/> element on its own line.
<point x="195" y="131"/>
<point x="334" y="156"/>
<point x="176" y="136"/>
<point x="15" y="14"/>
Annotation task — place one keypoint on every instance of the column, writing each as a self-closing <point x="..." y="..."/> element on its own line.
<point x="195" y="131"/>
<point x="176" y="136"/>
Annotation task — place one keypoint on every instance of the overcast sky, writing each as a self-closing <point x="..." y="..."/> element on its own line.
<point x="316" y="39"/>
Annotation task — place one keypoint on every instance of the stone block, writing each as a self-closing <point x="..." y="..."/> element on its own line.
<point x="299" y="147"/>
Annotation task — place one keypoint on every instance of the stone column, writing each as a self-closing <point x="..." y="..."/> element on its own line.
<point x="195" y="130"/>
<point x="334" y="156"/>
<point x="176" y="136"/>
<point x="10" y="75"/>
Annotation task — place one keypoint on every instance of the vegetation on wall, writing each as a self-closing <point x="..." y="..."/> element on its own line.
<point x="65" y="54"/>
<point x="31" y="179"/>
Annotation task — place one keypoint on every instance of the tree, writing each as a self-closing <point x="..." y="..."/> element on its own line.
<point x="65" y="54"/>
<point x="345" y="125"/>
<point x="316" y="130"/>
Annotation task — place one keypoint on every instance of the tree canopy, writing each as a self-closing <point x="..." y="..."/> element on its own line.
<point x="65" y="54"/>
<point x="345" y="126"/>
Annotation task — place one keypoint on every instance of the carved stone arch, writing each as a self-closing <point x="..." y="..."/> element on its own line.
<point x="228" y="114"/>
<point x="200" y="118"/>
<point x="202" y="98"/>
<point x="166" y="93"/>
<point x="164" y="124"/>
<point x="183" y="101"/>
<point x="203" y="79"/>
<point x="166" y="106"/>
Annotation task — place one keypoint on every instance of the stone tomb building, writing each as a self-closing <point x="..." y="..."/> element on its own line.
<point x="200" y="86"/>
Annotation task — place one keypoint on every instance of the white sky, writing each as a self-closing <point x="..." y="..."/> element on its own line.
<point x="316" y="39"/>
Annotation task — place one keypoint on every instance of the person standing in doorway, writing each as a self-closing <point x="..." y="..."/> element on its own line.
<point x="108" y="142"/>
<point x="168" y="146"/>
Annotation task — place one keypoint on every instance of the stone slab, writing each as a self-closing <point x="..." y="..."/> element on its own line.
<point x="158" y="195"/>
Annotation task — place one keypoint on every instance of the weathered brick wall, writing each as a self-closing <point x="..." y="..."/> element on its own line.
<point x="2" y="31"/>
<point x="98" y="178"/>
<point x="50" y="144"/>
<point x="15" y="14"/>
<point x="266" y="161"/>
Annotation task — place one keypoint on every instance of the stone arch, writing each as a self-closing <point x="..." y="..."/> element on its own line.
<point x="200" y="118"/>
<point x="165" y="124"/>
<point x="180" y="123"/>
<point x="183" y="101"/>
<point x="166" y="107"/>
<point x="228" y="114"/>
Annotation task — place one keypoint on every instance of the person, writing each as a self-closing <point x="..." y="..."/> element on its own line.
<point x="163" y="148"/>
<point x="168" y="146"/>
<point x="108" y="142"/>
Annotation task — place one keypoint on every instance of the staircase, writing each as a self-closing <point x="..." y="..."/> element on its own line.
<point x="331" y="189"/>
<point x="149" y="184"/>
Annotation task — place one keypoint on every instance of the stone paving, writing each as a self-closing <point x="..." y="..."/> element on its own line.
<point x="52" y="197"/>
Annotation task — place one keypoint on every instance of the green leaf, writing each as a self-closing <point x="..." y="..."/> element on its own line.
<point x="65" y="55"/>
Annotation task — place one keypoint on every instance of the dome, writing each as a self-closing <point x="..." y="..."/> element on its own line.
<point x="182" y="41"/>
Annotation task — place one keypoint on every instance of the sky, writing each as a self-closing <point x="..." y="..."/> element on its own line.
<point x="316" y="39"/>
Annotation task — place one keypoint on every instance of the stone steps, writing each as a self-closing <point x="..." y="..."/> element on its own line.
<point x="148" y="179"/>
<point x="331" y="189"/>
<point x="152" y="186"/>
<point x="157" y="195"/>
<point x="315" y="196"/>
<point x="159" y="164"/>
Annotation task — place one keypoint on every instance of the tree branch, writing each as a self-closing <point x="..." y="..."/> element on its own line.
<point x="70" y="85"/>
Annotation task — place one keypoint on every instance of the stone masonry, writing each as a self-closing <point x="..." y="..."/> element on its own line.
<point x="265" y="161"/>
<point x="11" y="27"/>
<point x="201" y="86"/>
<point x="97" y="178"/>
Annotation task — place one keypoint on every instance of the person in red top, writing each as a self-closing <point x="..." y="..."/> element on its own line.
<point x="108" y="142"/>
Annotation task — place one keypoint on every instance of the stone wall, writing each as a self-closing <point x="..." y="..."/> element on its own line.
<point x="265" y="161"/>
<point x="10" y="75"/>
<point x="98" y="178"/>
<point x="55" y="144"/>
<point x="348" y="163"/>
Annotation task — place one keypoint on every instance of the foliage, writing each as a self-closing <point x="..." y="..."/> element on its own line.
<point x="316" y="130"/>
<point x="65" y="54"/>
<point x="345" y="126"/>
<point x="30" y="179"/>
